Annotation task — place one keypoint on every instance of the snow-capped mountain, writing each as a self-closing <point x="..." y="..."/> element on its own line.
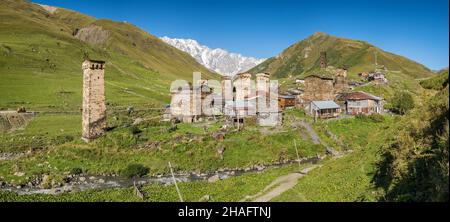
<point x="217" y="60"/>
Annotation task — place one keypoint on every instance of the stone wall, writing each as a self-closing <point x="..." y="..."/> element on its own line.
<point x="94" y="107"/>
<point x="318" y="89"/>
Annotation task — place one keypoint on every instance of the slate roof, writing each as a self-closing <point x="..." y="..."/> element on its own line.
<point x="326" y="104"/>
<point x="362" y="96"/>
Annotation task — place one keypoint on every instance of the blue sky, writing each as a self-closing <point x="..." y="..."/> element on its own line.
<point x="416" y="29"/>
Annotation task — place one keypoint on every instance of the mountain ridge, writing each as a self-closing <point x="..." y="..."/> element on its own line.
<point x="43" y="51"/>
<point x="302" y="58"/>
<point x="218" y="60"/>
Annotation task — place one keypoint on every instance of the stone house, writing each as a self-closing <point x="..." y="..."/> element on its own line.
<point x="377" y="77"/>
<point x="317" y="88"/>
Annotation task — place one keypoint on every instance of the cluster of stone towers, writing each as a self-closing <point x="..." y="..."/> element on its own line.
<point x="239" y="98"/>
<point x="94" y="107"/>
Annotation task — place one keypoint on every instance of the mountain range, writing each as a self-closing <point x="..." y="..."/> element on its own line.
<point x="217" y="60"/>
<point x="42" y="48"/>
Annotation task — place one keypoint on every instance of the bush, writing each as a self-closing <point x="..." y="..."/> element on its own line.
<point x="361" y="117"/>
<point x="76" y="171"/>
<point x="61" y="139"/>
<point x="377" y="118"/>
<point x="135" y="170"/>
<point x="402" y="103"/>
<point x="135" y="130"/>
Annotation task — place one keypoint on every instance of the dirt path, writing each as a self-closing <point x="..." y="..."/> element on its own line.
<point x="312" y="133"/>
<point x="279" y="186"/>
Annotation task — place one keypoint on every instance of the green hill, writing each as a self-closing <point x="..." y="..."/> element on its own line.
<point x="42" y="49"/>
<point x="438" y="82"/>
<point x="302" y="58"/>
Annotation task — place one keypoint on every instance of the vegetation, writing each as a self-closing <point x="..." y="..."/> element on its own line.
<point x="347" y="178"/>
<point x="436" y="83"/>
<point x="302" y="58"/>
<point x="40" y="62"/>
<point x="230" y="189"/>
<point x="190" y="147"/>
<point x="414" y="164"/>
<point x="135" y="170"/>
<point x="402" y="102"/>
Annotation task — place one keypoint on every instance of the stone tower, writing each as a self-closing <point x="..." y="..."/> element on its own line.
<point x="263" y="87"/>
<point x="94" y="107"/>
<point x="323" y="60"/>
<point x="243" y="84"/>
<point x="263" y="82"/>
<point x="340" y="81"/>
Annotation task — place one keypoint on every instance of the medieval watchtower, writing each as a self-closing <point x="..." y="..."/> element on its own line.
<point x="323" y="60"/>
<point x="94" y="108"/>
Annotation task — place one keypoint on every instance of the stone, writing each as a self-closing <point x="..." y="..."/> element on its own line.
<point x="213" y="179"/>
<point x="19" y="174"/>
<point x="46" y="181"/>
<point x="138" y="121"/>
<point x="82" y="179"/>
<point x="205" y="198"/>
<point x="101" y="181"/>
<point x="260" y="167"/>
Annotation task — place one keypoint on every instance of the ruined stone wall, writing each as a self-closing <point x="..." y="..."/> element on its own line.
<point x="94" y="107"/>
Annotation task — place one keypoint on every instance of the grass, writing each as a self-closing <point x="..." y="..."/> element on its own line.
<point x="40" y="62"/>
<point x="348" y="178"/>
<point x="302" y="58"/>
<point x="231" y="189"/>
<point x="57" y="148"/>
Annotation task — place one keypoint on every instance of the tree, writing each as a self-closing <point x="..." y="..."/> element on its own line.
<point x="402" y="102"/>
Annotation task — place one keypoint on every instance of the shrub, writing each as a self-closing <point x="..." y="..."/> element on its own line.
<point x="361" y="117"/>
<point x="402" y="102"/>
<point x="377" y="118"/>
<point x="135" y="170"/>
<point x="61" y="139"/>
<point x="76" y="171"/>
<point x="135" y="130"/>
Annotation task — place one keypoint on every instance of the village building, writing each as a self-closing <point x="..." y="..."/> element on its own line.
<point x="324" y="109"/>
<point x="340" y="81"/>
<point x="286" y="101"/>
<point x="239" y="107"/>
<point x="317" y="88"/>
<point x="362" y="103"/>
<point x="377" y="77"/>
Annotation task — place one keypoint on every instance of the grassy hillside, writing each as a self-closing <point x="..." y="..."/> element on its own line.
<point x="438" y="82"/>
<point x="42" y="51"/>
<point x="302" y="58"/>
<point x="414" y="164"/>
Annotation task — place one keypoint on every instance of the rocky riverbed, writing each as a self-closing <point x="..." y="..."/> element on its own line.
<point x="75" y="183"/>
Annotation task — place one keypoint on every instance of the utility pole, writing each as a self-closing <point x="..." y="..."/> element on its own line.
<point x="298" y="156"/>
<point x="175" y="182"/>
<point x="376" y="61"/>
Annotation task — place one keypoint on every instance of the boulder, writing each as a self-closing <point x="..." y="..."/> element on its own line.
<point x="205" y="198"/>
<point x="213" y="179"/>
<point x="138" y="121"/>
